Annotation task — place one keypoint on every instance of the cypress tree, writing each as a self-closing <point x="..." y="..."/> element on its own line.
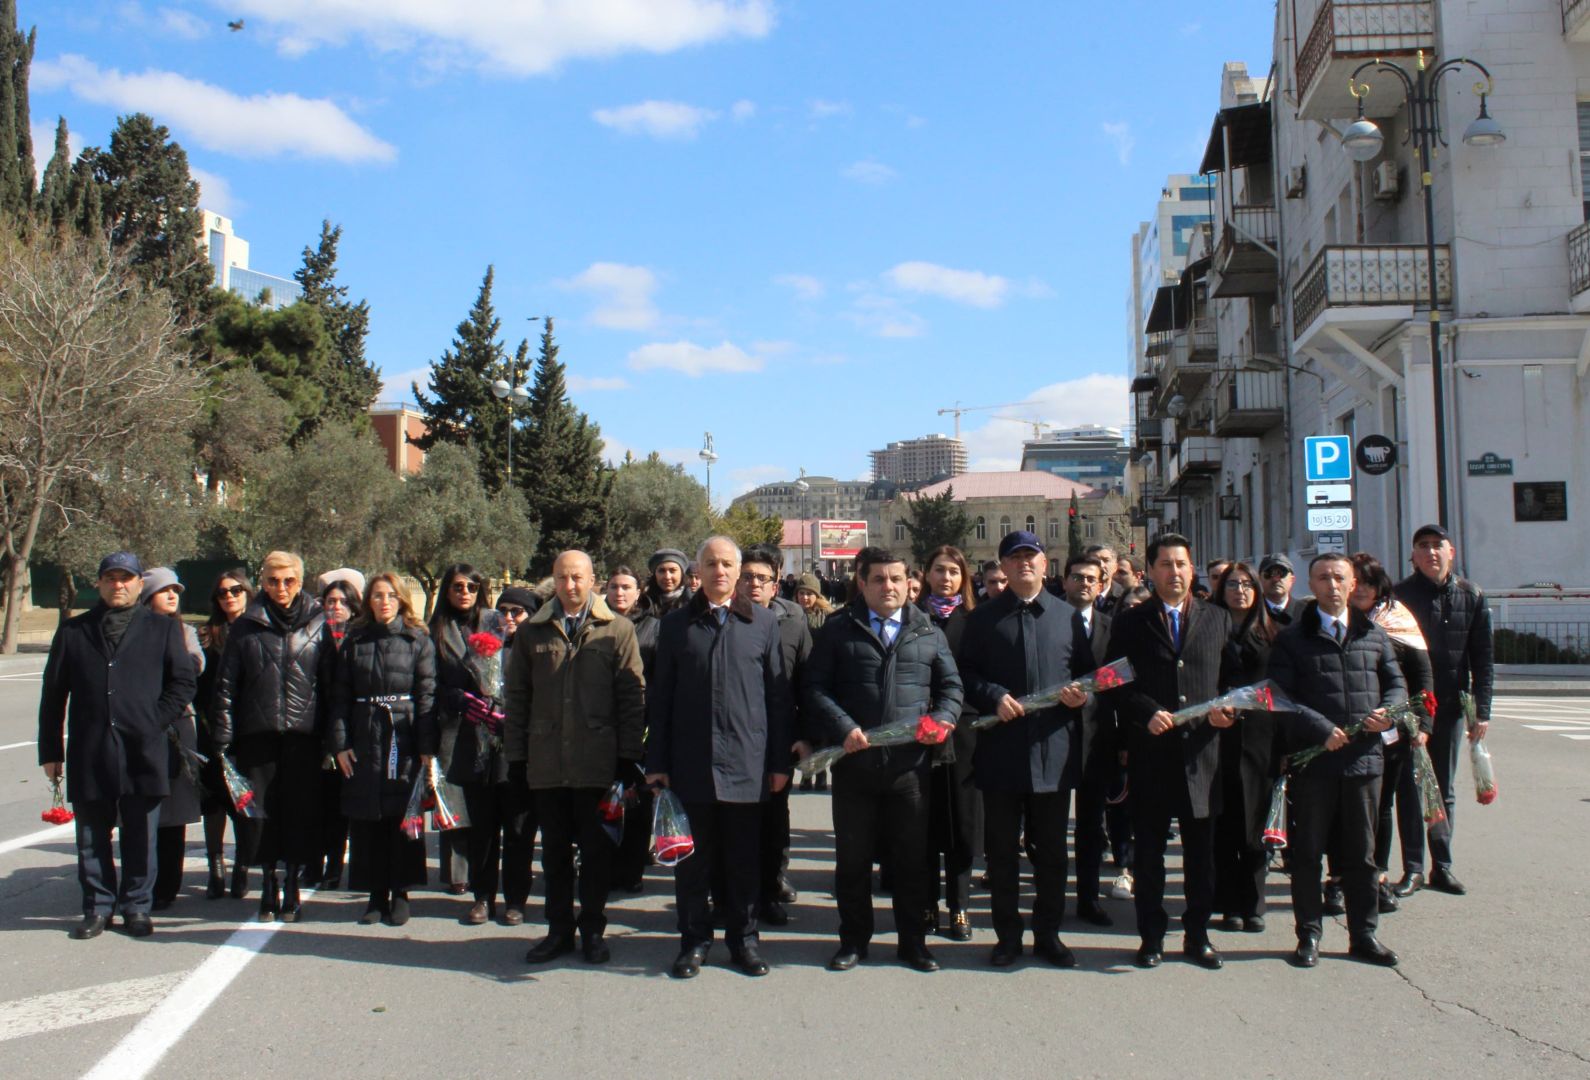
<point x="350" y="382"/>
<point x="460" y="407"/>
<point x="55" y="189"/>
<point x="16" y="135"/>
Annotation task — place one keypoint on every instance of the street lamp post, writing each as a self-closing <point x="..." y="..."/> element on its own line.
<point x="708" y="455"/>
<point x="508" y="390"/>
<point x="806" y="528"/>
<point x="1363" y="140"/>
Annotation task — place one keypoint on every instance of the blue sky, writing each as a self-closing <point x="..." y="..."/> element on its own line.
<point x="804" y="226"/>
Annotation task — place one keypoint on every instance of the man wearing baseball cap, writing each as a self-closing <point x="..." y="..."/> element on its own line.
<point x="118" y="677"/>
<point x="1276" y="576"/>
<point x="1022" y="641"/>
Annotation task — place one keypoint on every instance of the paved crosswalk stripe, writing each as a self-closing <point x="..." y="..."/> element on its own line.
<point x="88" y="1005"/>
<point x="43" y="836"/>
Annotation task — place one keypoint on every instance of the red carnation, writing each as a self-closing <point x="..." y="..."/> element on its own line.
<point x="1266" y="698"/>
<point x="1487" y="796"/>
<point x="1107" y="678"/>
<point x="671" y="849"/>
<point x="1427" y="699"/>
<point x="245" y="800"/>
<point x="930" y="732"/>
<point x="57" y="815"/>
<point x="484" y="644"/>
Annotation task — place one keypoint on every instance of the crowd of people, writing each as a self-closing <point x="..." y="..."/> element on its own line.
<point x="713" y="678"/>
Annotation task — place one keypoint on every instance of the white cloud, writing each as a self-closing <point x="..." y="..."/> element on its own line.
<point x="804" y="286"/>
<point x="744" y="479"/>
<point x="398" y="386"/>
<point x="868" y="172"/>
<point x="44" y="146"/>
<point x="1091" y="399"/>
<point x="215" y="194"/>
<point x="822" y="110"/>
<point x="743" y="110"/>
<point x="263" y="125"/>
<point x="659" y="119"/>
<point x="184" y="24"/>
<point x="885" y="317"/>
<point x="578" y="383"/>
<point x="508" y="37"/>
<point x="623" y="295"/>
<point x="1120" y="133"/>
<point x="971" y="287"/>
<point x="688" y="358"/>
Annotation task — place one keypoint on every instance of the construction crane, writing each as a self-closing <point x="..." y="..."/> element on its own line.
<point x="958" y="410"/>
<point x="1037" y="425"/>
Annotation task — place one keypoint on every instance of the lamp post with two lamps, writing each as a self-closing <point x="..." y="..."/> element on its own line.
<point x="708" y="455"/>
<point x="1363" y="140"/>
<point x="514" y="393"/>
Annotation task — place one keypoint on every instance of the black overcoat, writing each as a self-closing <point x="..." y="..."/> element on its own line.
<point x="269" y="681"/>
<point x="394" y="662"/>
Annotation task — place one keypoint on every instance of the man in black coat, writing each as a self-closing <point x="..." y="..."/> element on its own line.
<point x="1339" y="668"/>
<point x="880" y="661"/>
<point x="1023" y="641"/>
<point x="1084" y="582"/>
<point x="118" y="678"/>
<point x="1276" y="578"/>
<point x="719" y="716"/>
<point x="1177" y="646"/>
<point x="1456" y="623"/>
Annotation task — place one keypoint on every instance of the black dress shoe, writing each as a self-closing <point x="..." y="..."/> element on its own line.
<point x="1371" y="951"/>
<point x="960" y="928"/>
<point x="1092" y="913"/>
<point x="774" y="914"/>
<point x="1253" y="924"/>
<point x="1307" y="954"/>
<point x="786" y="891"/>
<point x="1055" y="951"/>
<point x="1005" y="953"/>
<point x="1385" y="899"/>
<point x="847" y="957"/>
<point x="373" y="913"/>
<point x="1150" y="954"/>
<point x="595" y="949"/>
<point x="1410" y="884"/>
<point x="550" y="948"/>
<point x="138" y="924"/>
<point x="91" y="927"/>
<point x="749" y="960"/>
<point x="687" y="965"/>
<point x="1203" y="954"/>
<point x="1235" y="924"/>
<point x="1445" y="881"/>
<point x="1335" y="900"/>
<point x="915" y="955"/>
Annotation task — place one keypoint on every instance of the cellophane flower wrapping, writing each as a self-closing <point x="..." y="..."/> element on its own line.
<point x="243" y="797"/>
<point x="897" y="734"/>
<point x="1431" y="805"/>
<point x="671" y="841"/>
<point x="1262" y="696"/>
<point x="611" y="811"/>
<point x="1275" y="822"/>
<point x="413" y="823"/>
<point x="487" y="650"/>
<point x="1479" y="753"/>
<point x="57" y="814"/>
<point x="1111" y="675"/>
<point x="442" y="816"/>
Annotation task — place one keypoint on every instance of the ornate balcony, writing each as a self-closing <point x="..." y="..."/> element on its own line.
<point x="1343" y="34"/>
<point x="1248" y="402"/>
<point x="1579" y="262"/>
<point x="1576" y="19"/>
<point x="1370" y="276"/>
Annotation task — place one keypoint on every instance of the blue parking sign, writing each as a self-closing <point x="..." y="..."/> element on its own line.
<point x="1327" y="457"/>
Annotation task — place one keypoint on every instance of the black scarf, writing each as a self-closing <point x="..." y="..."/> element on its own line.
<point x="115" y="624"/>
<point x="285" y="619"/>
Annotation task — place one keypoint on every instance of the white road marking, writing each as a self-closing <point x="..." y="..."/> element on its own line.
<point x="1578" y="738"/>
<point x="22" y="675"/>
<point x="141" y="1050"/>
<point x="89" y="1005"/>
<point x="17" y="745"/>
<point x="1557" y="726"/>
<point x="43" y="836"/>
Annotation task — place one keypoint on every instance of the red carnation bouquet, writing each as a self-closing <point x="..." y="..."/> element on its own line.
<point x="1115" y="674"/>
<point x="413" y="823"/>
<point x="442" y="816"/>
<point x="1406" y="716"/>
<point x="1479" y="755"/>
<point x="238" y="790"/>
<point x="924" y="730"/>
<point x="1274" y="838"/>
<point x="486" y="649"/>
<point x="1262" y="696"/>
<point x="57" y="814"/>
<point x="671" y="841"/>
<point x="611" y="810"/>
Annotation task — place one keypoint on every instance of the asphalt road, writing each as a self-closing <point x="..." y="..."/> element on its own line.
<point x="1493" y="983"/>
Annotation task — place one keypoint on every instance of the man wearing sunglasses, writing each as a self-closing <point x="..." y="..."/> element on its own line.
<point x="1277" y="577"/>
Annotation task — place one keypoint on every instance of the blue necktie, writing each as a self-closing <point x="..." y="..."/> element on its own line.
<point x="885" y="630"/>
<point x="722" y="614"/>
<point x="571" y="625"/>
<point x="1175" y="629"/>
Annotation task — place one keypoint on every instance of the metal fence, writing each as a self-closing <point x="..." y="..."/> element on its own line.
<point x="1541" y="642"/>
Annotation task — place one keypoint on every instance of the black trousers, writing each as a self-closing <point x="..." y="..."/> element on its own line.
<point x="568" y="816"/>
<point x="284" y="771"/>
<point x="1335" y="812"/>
<point x="103" y="893"/>
<point x="1045" y="814"/>
<point x="727" y="836"/>
<point x="390" y="861"/>
<point x="502" y="829"/>
<point x="1446" y="744"/>
<point x="774" y="843"/>
<point x="1241" y="862"/>
<point x="1400" y="810"/>
<point x="333" y="826"/>
<point x="875" y="812"/>
<point x="955" y="830"/>
<point x="634" y="851"/>
<point x="1151" y="815"/>
<point x="1090" y="837"/>
<point x="171" y="848"/>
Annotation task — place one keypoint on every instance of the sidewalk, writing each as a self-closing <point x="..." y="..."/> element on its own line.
<point x="1542" y="683"/>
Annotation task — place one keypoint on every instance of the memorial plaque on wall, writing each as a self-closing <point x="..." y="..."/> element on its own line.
<point x="1541" y="500"/>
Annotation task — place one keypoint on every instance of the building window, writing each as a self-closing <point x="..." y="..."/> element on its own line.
<point x="899" y="531"/>
<point x="1004" y="526"/>
<point x="1584" y="156"/>
<point x="1054" y="528"/>
<point x="982" y="529"/>
<point x="1089" y="530"/>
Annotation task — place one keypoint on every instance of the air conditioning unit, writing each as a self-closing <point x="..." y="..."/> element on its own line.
<point x="1385" y="183"/>
<point x="1297" y="181"/>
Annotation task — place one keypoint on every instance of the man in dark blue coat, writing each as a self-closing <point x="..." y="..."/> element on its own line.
<point x="118" y="678"/>
<point x="1023" y="641"/>
<point x="718" y="710"/>
<point x="880" y="661"/>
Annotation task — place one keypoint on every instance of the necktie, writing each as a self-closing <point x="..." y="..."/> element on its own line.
<point x="721" y="614"/>
<point x="1337" y="631"/>
<point x="1087" y="628"/>
<point x="885" y="631"/>
<point x="571" y="625"/>
<point x="1175" y="629"/>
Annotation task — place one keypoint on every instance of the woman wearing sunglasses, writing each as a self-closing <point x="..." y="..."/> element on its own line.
<point x="228" y="598"/>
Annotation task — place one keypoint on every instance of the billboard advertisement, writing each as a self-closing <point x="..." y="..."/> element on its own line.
<point x="840" y="539"/>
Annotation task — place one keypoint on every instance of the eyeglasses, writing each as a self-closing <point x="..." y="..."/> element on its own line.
<point x="464" y="586"/>
<point x="231" y="590"/>
<point x="281" y="582"/>
<point x="1239" y="586"/>
<point x="512" y="611"/>
<point x="760" y="579"/>
<point x="1085" y="579"/>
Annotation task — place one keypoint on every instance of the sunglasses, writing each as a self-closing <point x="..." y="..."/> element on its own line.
<point x="513" y="611"/>
<point x="1277" y="571"/>
<point x="465" y="586"/>
<point x="231" y="590"/>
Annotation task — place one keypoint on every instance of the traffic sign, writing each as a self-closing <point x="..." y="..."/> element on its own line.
<point x="1322" y="494"/>
<point x="1376" y="455"/>
<point x="1327" y="458"/>
<point x="1330" y="518"/>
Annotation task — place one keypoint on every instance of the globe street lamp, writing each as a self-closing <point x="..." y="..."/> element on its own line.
<point x="806" y="528"/>
<point x="503" y="390"/>
<point x="1363" y="140"/>
<point x="708" y="455"/>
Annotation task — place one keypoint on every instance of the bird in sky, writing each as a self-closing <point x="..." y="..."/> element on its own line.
<point x="235" y="25"/>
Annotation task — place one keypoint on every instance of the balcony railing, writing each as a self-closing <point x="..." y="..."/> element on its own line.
<point x="1579" y="256"/>
<point x="1573" y="19"/>
<point x="1254" y="224"/>
<point x="1248" y="402"/>
<point x="1194" y="455"/>
<point x="1364" y="28"/>
<point x="1195" y="346"/>
<point x="1370" y="275"/>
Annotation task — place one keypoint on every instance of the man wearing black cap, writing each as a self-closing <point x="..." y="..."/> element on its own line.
<point x="1277" y="576"/>
<point x="1456" y="623"/>
<point x="117" y="679"/>
<point x="1023" y="641"/>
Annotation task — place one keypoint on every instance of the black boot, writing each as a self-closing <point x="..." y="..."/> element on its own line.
<point x="291" y="906"/>
<point x="375" y="911"/>
<point x="239" y="879"/>
<point x="270" y="896"/>
<point x="217" y="887"/>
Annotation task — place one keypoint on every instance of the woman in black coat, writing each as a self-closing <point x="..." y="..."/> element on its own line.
<point x="382" y="730"/>
<point x="229" y="598"/>
<point x="342" y="602"/>
<point x="955" y="806"/>
<point x="268" y="714"/>
<point x="460" y="610"/>
<point x="1249" y="759"/>
<point x="162" y="594"/>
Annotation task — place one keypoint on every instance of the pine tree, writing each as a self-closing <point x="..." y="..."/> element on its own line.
<point x="55" y="189"/>
<point x="460" y="408"/>
<point x="936" y="521"/>
<point x="16" y="133"/>
<point x="350" y="382"/>
<point x="565" y="481"/>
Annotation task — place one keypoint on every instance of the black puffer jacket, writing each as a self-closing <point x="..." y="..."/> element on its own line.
<point x="1334" y="685"/>
<point x="269" y="682"/>
<point x="1457" y="629"/>
<point x="382" y="706"/>
<point x="853" y="681"/>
